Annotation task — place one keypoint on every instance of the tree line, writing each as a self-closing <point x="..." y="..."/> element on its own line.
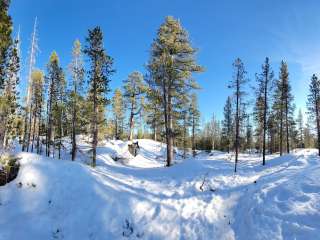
<point x="63" y="103"/>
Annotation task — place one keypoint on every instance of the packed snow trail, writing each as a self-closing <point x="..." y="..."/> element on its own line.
<point x="141" y="199"/>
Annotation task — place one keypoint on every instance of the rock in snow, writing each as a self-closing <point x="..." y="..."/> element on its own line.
<point x="60" y="199"/>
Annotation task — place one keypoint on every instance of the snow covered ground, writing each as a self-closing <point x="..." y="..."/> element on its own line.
<point x="138" y="198"/>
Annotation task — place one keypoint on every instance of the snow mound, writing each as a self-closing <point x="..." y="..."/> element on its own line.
<point x="199" y="198"/>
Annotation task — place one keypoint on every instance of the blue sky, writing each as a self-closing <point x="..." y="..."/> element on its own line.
<point x="221" y="30"/>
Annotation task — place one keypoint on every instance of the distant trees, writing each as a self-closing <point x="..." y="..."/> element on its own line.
<point x="238" y="83"/>
<point x="300" y="129"/>
<point x="313" y="104"/>
<point x="99" y="77"/>
<point x="77" y="73"/>
<point x="227" y="125"/>
<point x="134" y="88"/>
<point x="118" y="113"/>
<point x="194" y="118"/>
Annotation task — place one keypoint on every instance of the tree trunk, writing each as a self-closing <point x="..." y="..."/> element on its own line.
<point x="265" y="119"/>
<point x="193" y="136"/>
<point x="39" y="131"/>
<point x="25" y="132"/>
<point x="34" y="127"/>
<point x="95" y="124"/>
<point x="30" y="123"/>
<point x="318" y="123"/>
<point x="74" y="120"/>
<point x="287" y="127"/>
<point x="237" y="122"/>
<point x="131" y="122"/>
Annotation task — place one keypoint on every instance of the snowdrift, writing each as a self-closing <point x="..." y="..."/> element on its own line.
<point x="198" y="198"/>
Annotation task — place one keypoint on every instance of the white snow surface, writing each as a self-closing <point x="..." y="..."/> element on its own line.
<point x="139" y="198"/>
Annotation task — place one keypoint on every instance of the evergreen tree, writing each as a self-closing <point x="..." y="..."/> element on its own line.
<point x="171" y="65"/>
<point x="56" y="83"/>
<point x="265" y="82"/>
<point x="118" y="113"/>
<point x="10" y="95"/>
<point x="238" y="82"/>
<point x="101" y="69"/>
<point x="37" y="103"/>
<point x="227" y="126"/>
<point x="195" y="117"/>
<point x="300" y="129"/>
<point x="5" y="38"/>
<point x="249" y="135"/>
<point x="154" y="117"/>
<point x="77" y="72"/>
<point x="134" y="88"/>
<point x="314" y="104"/>
<point x="283" y="106"/>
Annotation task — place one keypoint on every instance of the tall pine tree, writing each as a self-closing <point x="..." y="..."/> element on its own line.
<point x="171" y="65"/>
<point x="99" y="78"/>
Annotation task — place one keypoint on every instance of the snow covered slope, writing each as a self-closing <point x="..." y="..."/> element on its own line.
<point x="197" y="198"/>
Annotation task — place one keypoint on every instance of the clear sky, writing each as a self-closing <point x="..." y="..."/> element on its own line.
<point x="221" y="30"/>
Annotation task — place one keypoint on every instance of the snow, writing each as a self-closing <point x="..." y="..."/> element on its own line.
<point x="139" y="198"/>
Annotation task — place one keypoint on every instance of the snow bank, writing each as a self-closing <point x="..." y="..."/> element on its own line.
<point x="198" y="198"/>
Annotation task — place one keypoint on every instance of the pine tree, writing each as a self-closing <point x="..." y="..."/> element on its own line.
<point x="9" y="99"/>
<point x="5" y="38"/>
<point x="101" y="69"/>
<point x="134" y="88"/>
<point x="37" y="103"/>
<point x="300" y="129"/>
<point x="227" y="125"/>
<point x="77" y="72"/>
<point x="249" y="135"/>
<point x="283" y="106"/>
<point x="171" y="65"/>
<point x="56" y="83"/>
<point x="195" y="117"/>
<point x="154" y="117"/>
<point x="118" y="113"/>
<point x="238" y="82"/>
<point x="314" y="104"/>
<point x="265" y="83"/>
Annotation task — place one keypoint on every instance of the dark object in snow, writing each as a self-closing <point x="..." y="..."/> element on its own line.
<point x="10" y="169"/>
<point x="133" y="148"/>
<point x="127" y="229"/>
<point x="255" y="181"/>
<point x="19" y="185"/>
<point x="33" y="185"/>
<point x="49" y="202"/>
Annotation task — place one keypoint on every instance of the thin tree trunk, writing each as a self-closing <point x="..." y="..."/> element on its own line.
<point x="25" y="132"/>
<point x="39" y="130"/>
<point x="131" y="122"/>
<point x="287" y="127"/>
<point x="95" y="124"/>
<point x="30" y="123"/>
<point x="265" y="119"/>
<point x="318" y="122"/>
<point x="34" y="127"/>
<point x="237" y="122"/>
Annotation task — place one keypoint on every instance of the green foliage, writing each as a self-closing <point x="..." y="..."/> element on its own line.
<point x="5" y="38"/>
